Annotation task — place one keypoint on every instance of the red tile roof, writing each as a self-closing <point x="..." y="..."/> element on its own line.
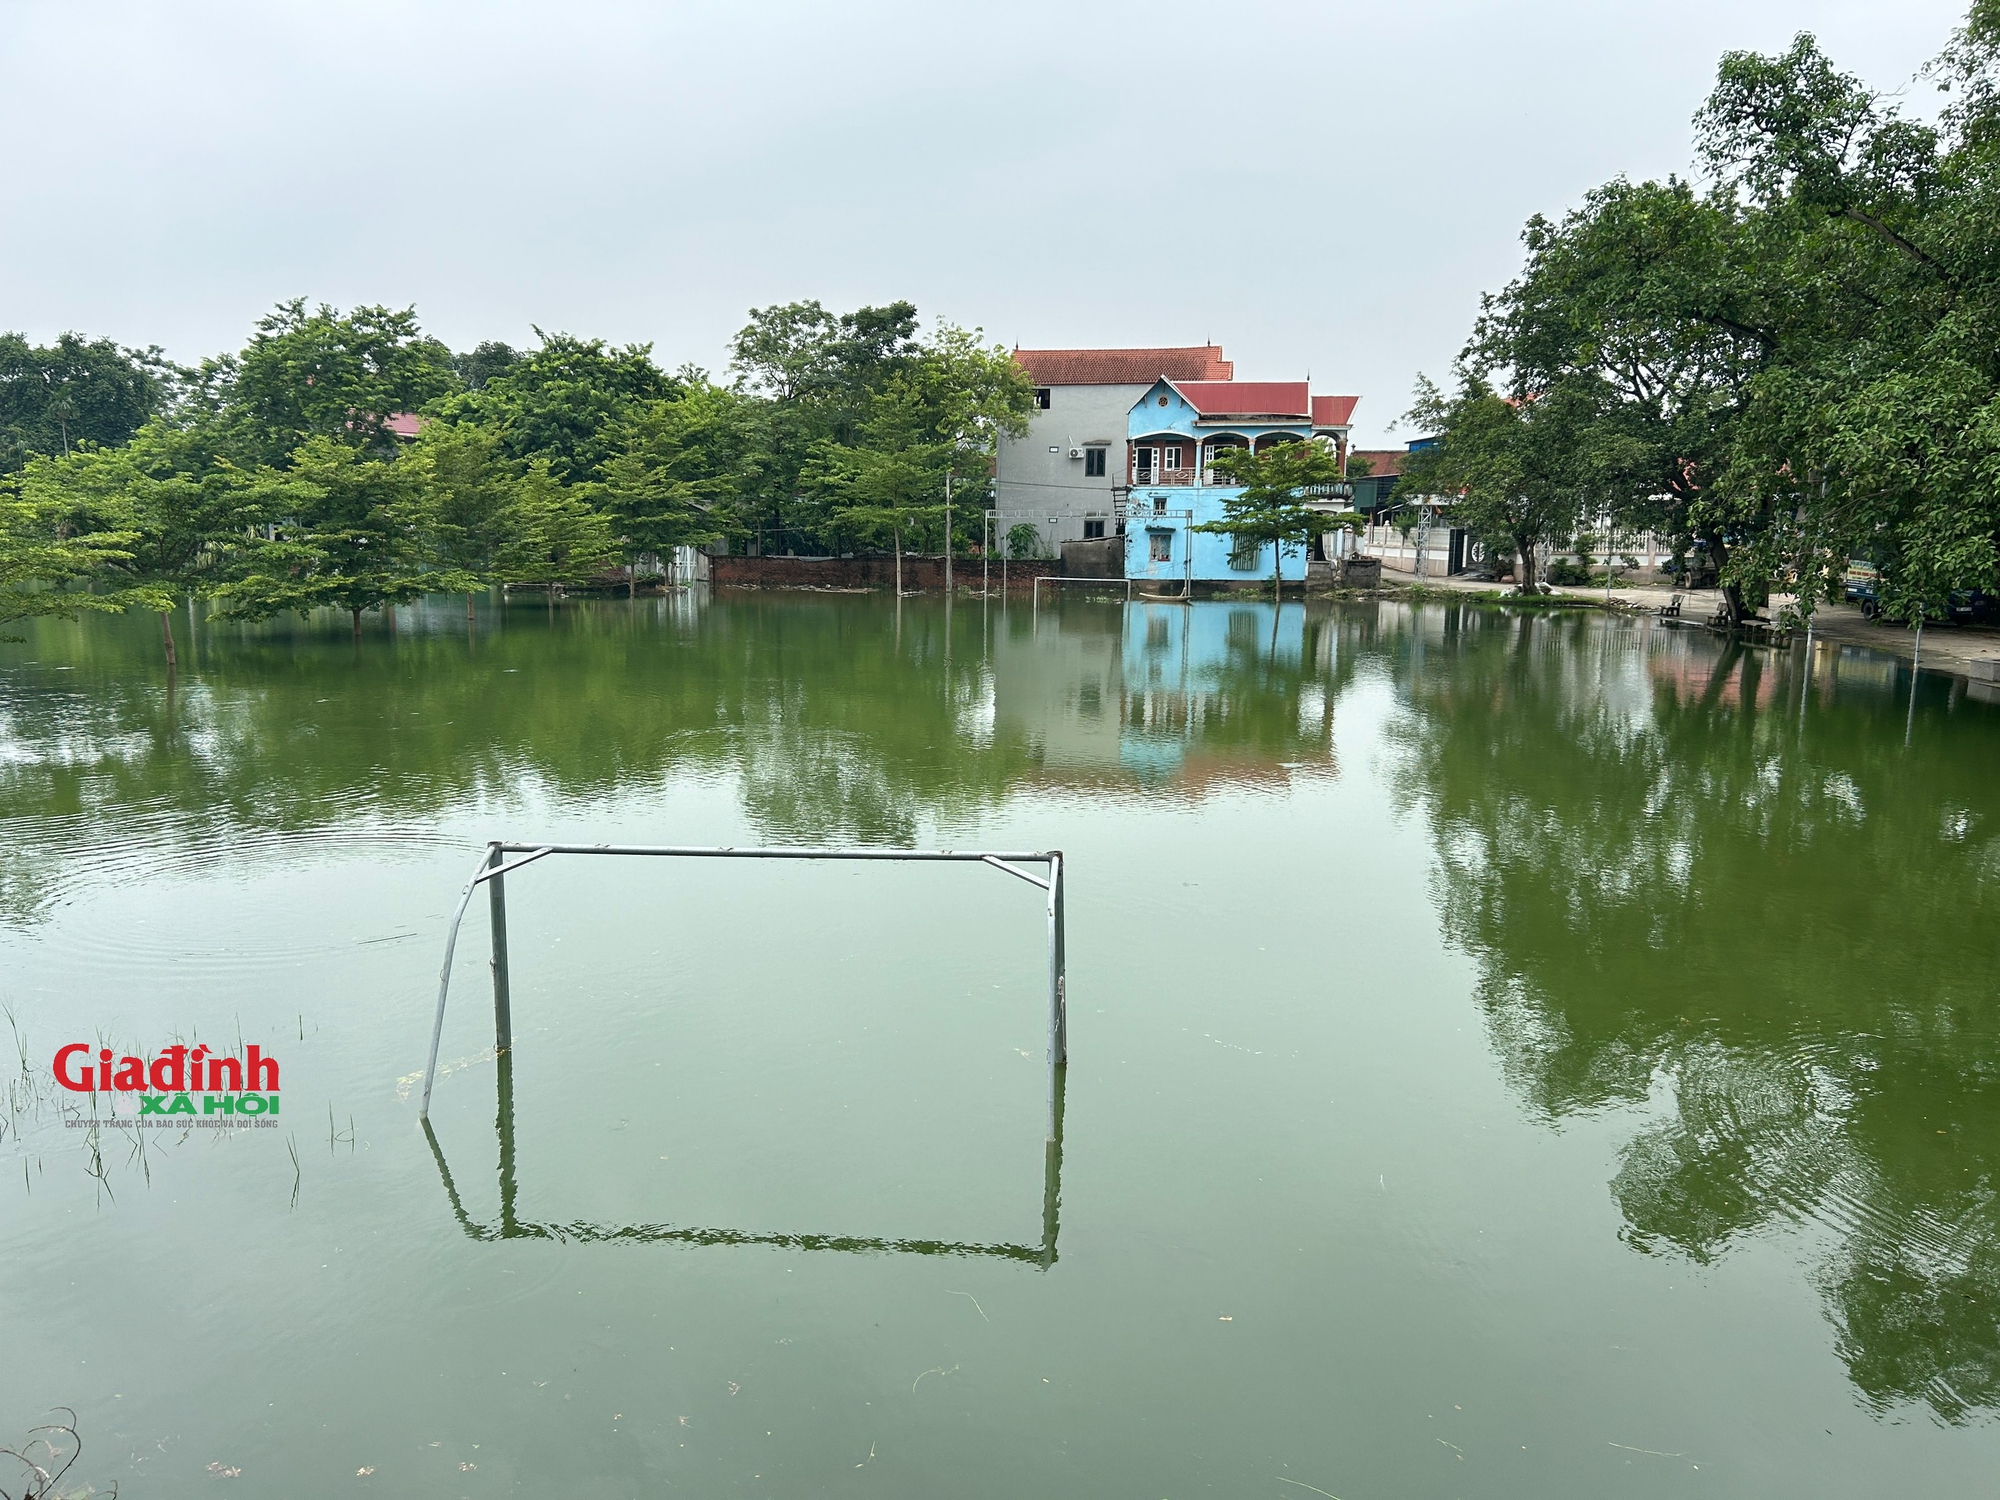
<point x="1123" y="366"/>
<point x="1333" y="411"/>
<point x="1246" y="398"/>
<point x="1381" y="461"/>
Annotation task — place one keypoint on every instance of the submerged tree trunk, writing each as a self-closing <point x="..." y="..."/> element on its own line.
<point x="167" y="638"/>
<point x="631" y="581"/>
<point x="468" y="609"/>
<point x="897" y="532"/>
<point x="1277" y="574"/>
<point x="356" y="612"/>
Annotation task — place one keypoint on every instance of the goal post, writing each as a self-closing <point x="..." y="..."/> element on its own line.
<point x="500" y="858"/>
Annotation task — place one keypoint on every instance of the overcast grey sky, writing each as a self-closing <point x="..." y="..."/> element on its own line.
<point x="1323" y="187"/>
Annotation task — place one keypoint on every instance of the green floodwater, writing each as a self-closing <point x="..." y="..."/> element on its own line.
<point x="1509" y="1056"/>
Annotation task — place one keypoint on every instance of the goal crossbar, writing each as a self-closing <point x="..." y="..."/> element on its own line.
<point x="495" y="864"/>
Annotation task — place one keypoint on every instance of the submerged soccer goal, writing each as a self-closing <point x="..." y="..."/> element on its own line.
<point x="500" y="859"/>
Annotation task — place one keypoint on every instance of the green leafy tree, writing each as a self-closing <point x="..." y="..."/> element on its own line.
<point x="349" y="531"/>
<point x="940" y="415"/>
<point x="317" y="372"/>
<point x="556" y="538"/>
<point x="879" y="489"/>
<point x="1273" y="506"/>
<point x="1024" y="539"/>
<point x="48" y="569"/>
<point x="1800" y="362"/>
<point x="801" y="354"/>
<point x="471" y="489"/>
<point x="480" y="364"/>
<point x="564" y="402"/>
<point x="683" y="472"/>
<point x="818" y="374"/>
<point x="183" y="514"/>
<point x="1646" y="298"/>
<point x="54" y="399"/>
<point x="1514" y="471"/>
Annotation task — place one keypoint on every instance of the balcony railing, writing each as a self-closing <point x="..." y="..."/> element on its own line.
<point x="1179" y="478"/>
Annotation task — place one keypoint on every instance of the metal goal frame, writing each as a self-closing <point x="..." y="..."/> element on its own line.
<point x="494" y="866"/>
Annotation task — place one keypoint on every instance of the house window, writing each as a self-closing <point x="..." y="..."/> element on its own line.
<point x="1159" y="505"/>
<point x="1093" y="530"/>
<point x="1172" y="457"/>
<point x="1160" y="546"/>
<point x="1243" y="552"/>
<point x="1042" y="397"/>
<point x="1093" y="463"/>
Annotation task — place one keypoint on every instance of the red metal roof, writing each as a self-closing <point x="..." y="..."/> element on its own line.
<point x="1333" y="411"/>
<point x="403" y="424"/>
<point x="1123" y="366"/>
<point x="1246" y="398"/>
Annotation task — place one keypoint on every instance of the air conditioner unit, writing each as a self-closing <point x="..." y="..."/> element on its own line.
<point x="1076" y="453"/>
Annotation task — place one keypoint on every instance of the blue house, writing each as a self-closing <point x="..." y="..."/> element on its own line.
<point x="1173" y="434"/>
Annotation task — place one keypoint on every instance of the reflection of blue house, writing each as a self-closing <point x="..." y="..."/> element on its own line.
<point x="1173" y="435"/>
<point x="1179" y="664"/>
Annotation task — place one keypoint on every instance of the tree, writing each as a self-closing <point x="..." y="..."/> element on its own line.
<point x="1645" y="302"/>
<point x="555" y="537"/>
<point x="471" y="488"/>
<point x="881" y="487"/>
<point x="940" y="414"/>
<point x="47" y="569"/>
<point x="348" y="530"/>
<point x="75" y="391"/>
<point x="818" y="374"/>
<point x="1272" y="505"/>
<point x="1514" y="470"/>
<point x="180" y="511"/>
<point x="479" y="365"/>
<point x="321" y="373"/>
<point x="563" y="402"/>
<point x="681" y="475"/>
<point x="1800" y="361"/>
<point x="800" y="353"/>
<point x="1024" y="539"/>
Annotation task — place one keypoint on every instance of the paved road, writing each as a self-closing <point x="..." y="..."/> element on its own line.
<point x="1946" y="648"/>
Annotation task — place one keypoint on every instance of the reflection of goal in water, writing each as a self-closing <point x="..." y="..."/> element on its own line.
<point x="491" y="871"/>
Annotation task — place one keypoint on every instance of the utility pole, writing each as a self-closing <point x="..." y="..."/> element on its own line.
<point x="1607" y="554"/>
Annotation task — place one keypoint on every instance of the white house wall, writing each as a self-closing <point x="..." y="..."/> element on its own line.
<point x="1035" y="479"/>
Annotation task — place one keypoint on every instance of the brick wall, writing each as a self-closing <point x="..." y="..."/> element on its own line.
<point x="920" y="573"/>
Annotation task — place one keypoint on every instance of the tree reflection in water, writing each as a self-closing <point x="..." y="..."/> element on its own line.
<point x="1689" y="875"/>
<point x="837" y="720"/>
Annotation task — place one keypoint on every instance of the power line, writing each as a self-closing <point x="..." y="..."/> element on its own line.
<point x="1032" y="484"/>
